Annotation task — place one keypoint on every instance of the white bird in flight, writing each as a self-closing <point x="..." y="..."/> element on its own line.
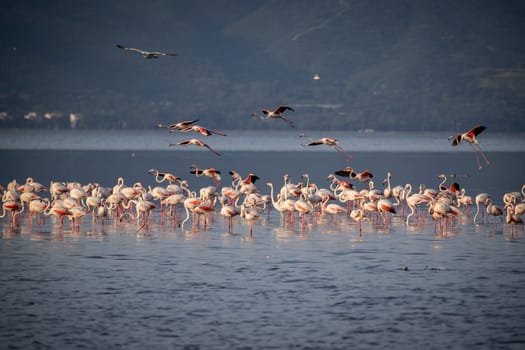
<point x="146" y="54"/>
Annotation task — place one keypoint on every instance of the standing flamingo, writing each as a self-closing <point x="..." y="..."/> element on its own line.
<point x="470" y="138"/>
<point x="359" y="216"/>
<point x="250" y="214"/>
<point x="493" y="210"/>
<point x="481" y="199"/>
<point x="229" y="212"/>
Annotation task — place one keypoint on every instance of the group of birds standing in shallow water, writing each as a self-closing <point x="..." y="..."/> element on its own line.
<point x="301" y="205"/>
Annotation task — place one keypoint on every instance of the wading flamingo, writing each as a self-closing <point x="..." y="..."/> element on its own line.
<point x="229" y="212"/>
<point x="481" y="200"/>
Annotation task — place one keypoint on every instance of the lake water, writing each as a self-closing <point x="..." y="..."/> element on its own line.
<point x="323" y="287"/>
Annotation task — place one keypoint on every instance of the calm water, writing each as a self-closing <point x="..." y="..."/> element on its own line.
<point x="321" y="287"/>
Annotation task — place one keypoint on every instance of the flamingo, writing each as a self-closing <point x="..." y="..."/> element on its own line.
<point x="278" y="205"/>
<point x="251" y="215"/>
<point x="439" y="211"/>
<point x="333" y="209"/>
<point x="329" y="141"/>
<point x="359" y="216"/>
<point x="201" y="130"/>
<point x="143" y="208"/>
<point x="351" y="173"/>
<point x="481" y="199"/>
<point x="162" y="176"/>
<point x="384" y="205"/>
<point x="413" y="201"/>
<point x="146" y="54"/>
<point x="229" y="212"/>
<point x="190" y="203"/>
<point x="276" y="114"/>
<point x="195" y="142"/>
<point x="13" y="207"/>
<point x="179" y="125"/>
<point x="511" y="218"/>
<point x="212" y="173"/>
<point x="37" y="207"/>
<point x="465" y="200"/>
<point x="492" y="210"/>
<point x="76" y="215"/>
<point x="470" y="137"/>
<point x="58" y="210"/>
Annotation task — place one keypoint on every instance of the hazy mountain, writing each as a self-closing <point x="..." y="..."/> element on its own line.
<point x="390" y="65"/>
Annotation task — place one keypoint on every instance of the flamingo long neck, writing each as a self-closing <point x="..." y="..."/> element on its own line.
<point x="443" y="182"/>
<point x="409" y="191"/>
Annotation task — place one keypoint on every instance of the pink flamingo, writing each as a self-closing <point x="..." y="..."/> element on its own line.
<point x="195" y="142"/>
<point x="470" y="138"/>
<point x="329" y="141"/>
<point x="229" y="212"/>
<point x="201" y="130"/>
<point x="276" y="114"/>
<point x="212" y="173"/>
<point x="178" y="126"/>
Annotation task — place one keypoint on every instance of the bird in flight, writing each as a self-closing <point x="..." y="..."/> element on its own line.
<point x="195" y="142"/>
<point x="146" y="54"/>
<point x="197" y="128"/>
<point x="277" y="113"/>
<point x="180" y="126"/>
<point x="329" y="141"/>
<point x="352" y="174"/>
<point x="470" y="138"/>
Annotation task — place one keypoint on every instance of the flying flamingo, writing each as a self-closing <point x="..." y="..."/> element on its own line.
<point x="178" y="126"/>
<point x="351" y="173"/>
<point x="212" y="173"/>
<point x="195" y="142"/>
<point x="276" y="114"/>
<point x="329" y="141"/>
<point x="201" y="130"/>
<point x="146" y="54"/>
<point x="470" y="137"/>
<point x="161" y="176"/>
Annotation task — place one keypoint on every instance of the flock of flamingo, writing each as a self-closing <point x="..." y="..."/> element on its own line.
<point x="301" y="205"/>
